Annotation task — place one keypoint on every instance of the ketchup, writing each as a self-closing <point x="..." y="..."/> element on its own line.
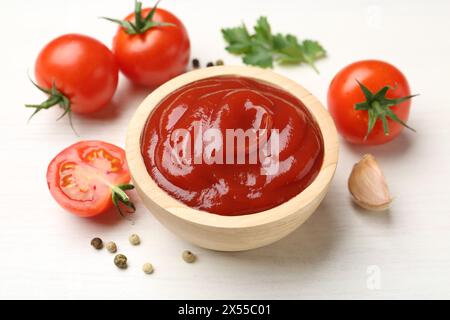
<point x="188" y="152"/>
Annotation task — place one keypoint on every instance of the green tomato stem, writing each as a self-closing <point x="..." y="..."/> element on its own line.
<point x="55" y="97"/>
<point x="378" y="107"/>
<point x="141" y="24"/>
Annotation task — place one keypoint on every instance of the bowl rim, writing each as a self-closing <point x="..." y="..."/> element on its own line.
<point x="145" y="183"/>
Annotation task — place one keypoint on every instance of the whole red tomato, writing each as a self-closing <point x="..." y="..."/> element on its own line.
<point x="369" y="101"/>
<point x="89" y="177"/>
<point x="77" y="72"/>
<point x="151" y="46"/>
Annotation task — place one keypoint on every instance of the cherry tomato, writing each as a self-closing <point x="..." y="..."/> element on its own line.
<point x="89" y="177"/>
<point x="78" y="73"/>
<point x="158" y="51"/>
<point x="370" y="102"/>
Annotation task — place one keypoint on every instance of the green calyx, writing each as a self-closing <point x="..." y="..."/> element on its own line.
<point x="120" y="196"/>
<point x="141" y="24"/>
<point x="55" y="97"/>
<point x="379" y="107"/>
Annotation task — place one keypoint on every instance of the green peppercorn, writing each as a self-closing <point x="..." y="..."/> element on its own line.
<point x="219" y="62"/>
<point x="120" y="261"/>
<point x="188" y="256"/>
<point x="97" y="243"/>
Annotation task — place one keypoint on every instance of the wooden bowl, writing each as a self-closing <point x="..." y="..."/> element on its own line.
<point x="237" y="232"/>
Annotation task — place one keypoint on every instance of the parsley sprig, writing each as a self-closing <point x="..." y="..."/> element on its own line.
<point x="263" y="48"/>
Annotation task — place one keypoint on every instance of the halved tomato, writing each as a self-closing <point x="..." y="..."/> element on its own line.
<point x="89" y="177"/>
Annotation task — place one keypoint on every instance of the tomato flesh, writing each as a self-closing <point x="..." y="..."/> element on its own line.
<point x="80" y="177"/>
<point x="344" y="93"/>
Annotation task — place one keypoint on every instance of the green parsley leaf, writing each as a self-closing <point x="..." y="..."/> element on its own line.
<point x="263" y="48"/>
<point x="312" y="51"/>
<point x="289" y="51"/>
<point x="258" y="56"/>
<point x="238" y="39"/>
<point x="263" y="34"/>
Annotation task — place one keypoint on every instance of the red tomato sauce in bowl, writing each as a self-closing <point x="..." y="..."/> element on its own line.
<point x="232" y="145"/>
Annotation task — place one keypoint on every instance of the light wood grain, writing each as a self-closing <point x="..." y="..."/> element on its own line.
<point x="238" y="232"/>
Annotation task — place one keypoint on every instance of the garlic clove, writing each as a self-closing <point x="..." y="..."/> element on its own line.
<point x="368" y="186"/>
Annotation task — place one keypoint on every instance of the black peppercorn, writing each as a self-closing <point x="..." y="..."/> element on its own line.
<point x="195" y="63"/>
<point x="97" y="243"/>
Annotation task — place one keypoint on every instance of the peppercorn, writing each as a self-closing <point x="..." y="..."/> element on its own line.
<point x="209" y="64"/>
<point x="195" y="63"/>
<point x="188" y="256"/>
<point x="97" y="243"/>
<point x="134" y="239"/>
<point x="147" y="268"/>
<point x="219" y="62"/>
<point x="120" y="261"/>
<point x="111" y="247"/>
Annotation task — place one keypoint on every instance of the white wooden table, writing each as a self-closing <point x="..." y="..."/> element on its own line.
<point x="341" y="252"/>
